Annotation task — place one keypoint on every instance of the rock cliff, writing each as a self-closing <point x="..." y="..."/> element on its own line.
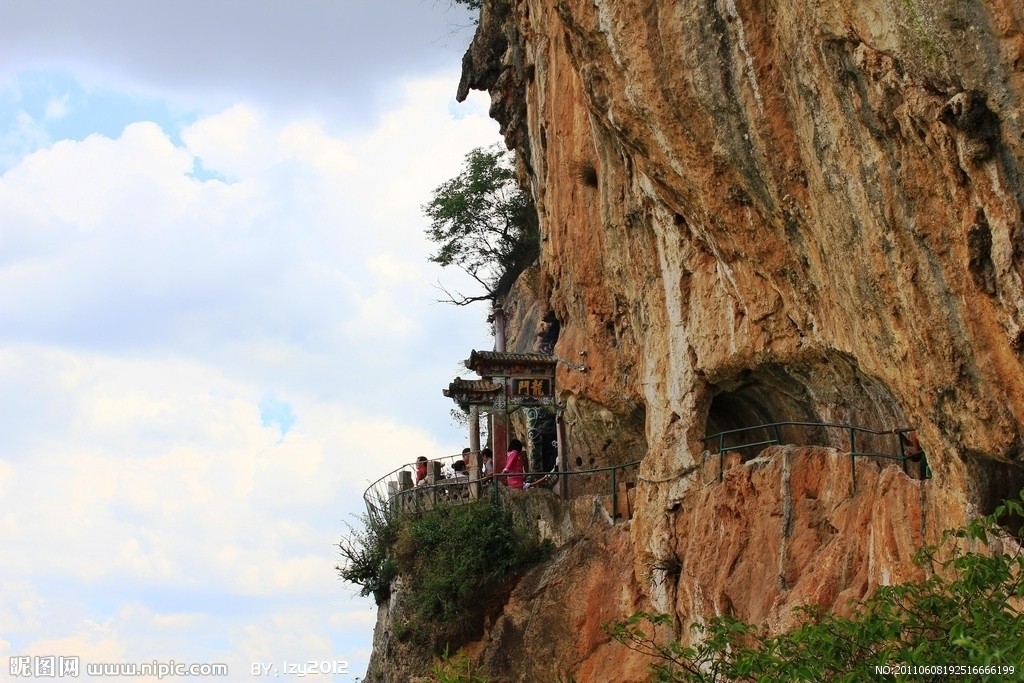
<point x="756" y="211"/>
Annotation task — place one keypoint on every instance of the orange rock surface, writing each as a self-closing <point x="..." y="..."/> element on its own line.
<point x="768" y="211"/>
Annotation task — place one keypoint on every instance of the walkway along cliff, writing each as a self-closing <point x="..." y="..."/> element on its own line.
<point x="752" y="213"/>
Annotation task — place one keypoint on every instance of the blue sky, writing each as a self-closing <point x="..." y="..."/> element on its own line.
<point x="217" y="318"/>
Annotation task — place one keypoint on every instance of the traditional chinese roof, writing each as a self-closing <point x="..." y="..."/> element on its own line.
<point x="466" y="392"/>
<point x="494" y="359"/>
<point x="481" y="386"/>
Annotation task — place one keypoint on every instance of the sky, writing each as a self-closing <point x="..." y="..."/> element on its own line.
<point x="218" y="321"/>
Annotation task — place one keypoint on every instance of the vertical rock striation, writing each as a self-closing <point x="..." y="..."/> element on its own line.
<point x="770" y="210"/>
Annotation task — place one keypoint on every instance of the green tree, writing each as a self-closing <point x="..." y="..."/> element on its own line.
<point x="966" y="614"/>
<point x="484" y="223"/>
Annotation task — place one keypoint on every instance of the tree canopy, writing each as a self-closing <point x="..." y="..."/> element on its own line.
<point x="484" y="223"/>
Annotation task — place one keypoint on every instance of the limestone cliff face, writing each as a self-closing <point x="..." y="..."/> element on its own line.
<point x="765" y="210"/>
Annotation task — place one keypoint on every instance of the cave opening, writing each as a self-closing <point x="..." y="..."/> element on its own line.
<point x="763" y="397"/>
<point x="997" y="481"/>
<point x="826" y="389"/>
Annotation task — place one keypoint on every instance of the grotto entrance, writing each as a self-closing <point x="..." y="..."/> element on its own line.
<point x="806" y="401"/>
<point x="764" y="397"/>
<point x="996" y="481"/>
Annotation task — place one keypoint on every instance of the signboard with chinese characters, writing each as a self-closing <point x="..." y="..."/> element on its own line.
<point x="530" y="390"/>
<point x="509" y="380"/>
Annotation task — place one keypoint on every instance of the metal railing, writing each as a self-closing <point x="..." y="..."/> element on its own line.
<point x="775" y="439"/>
<point x="387" y="496"/>
<point x="379" y="494"/>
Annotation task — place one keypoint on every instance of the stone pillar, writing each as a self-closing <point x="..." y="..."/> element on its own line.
<point x="392" y="502"/>
<point x="429" y="496"/>
<point x="473" y="469"/>
<point x="474" y="429"/>
<point x="499" y="418"/>
<point x="406" y="493"/>
<point x="499" y="438"/>
<point x="499" y="329"/>
<point x="563" y="458"/>
<point x="473" y="464"/>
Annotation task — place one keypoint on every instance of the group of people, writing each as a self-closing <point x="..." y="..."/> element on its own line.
<point x="513" y="474"/>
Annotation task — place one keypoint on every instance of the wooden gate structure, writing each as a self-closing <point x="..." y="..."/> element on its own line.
<point x="508" y="381"/>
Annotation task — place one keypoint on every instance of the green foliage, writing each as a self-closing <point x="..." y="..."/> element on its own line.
<point x="966" y="613"/>
<point x="451" y="557"/>
<point x="471" y="4"/>
<point x="484" y="223"/>
<point x="456" y="669"/>
<point x="367" y="560"/>
<point x="452" y="554"/>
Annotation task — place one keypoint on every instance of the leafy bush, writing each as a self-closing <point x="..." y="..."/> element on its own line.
<point x="456" y="669"/>
<point x="367" y="560"/>
<point x="452" y="554"/>
<point x="966" y="613"/>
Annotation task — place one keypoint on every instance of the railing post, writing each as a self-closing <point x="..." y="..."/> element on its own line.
<point x="853" y="462"/>
<point x="392" y="497"/>
<point x="615" y="507"/>
<point x="563" y="460"/>
<point x="778" y="438"/>
<point x="903" y="453"/>
<point x="721" y="457"/>
<point x="433" y="477"/>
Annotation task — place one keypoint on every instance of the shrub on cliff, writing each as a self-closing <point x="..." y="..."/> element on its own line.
<point x="450" y="557"/>
<point x="367" y="559"/>
<point x="964" y="622"/>
<point x="484" y="223"/>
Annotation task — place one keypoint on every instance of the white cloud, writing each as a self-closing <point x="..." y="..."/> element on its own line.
<point x="26" y="134"/>
<point x="164" y="472"/>
<point x="93" y="642"/>
<point x="56" y="108"/>
<point x="389" y="269"/>
<point x="112" y="241"/>
<point x="224" y="142"/>
<point x="146" y="314"/>
<point x="335" y="55"/>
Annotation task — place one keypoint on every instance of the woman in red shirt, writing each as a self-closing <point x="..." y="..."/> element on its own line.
<point x="421" y="470"/>
<point x="514" y="464"/>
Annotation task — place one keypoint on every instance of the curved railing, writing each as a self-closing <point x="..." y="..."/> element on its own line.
<point x="379" y="492"/>
<point x="773" y="430"/>
<point x="386" y="496"/>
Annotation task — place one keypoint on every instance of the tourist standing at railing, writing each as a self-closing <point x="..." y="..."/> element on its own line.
<point x="421" y="470"/>
<point x="459" y="471"/>
<point x="514" y="467"/>
<point x="488" y="465"/>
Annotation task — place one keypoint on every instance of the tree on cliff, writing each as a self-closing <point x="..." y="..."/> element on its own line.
<point x="484" y="223"/>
